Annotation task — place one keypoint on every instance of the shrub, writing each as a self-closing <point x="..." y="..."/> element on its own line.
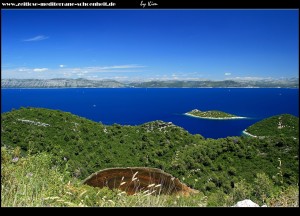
<point x="262" y="186"/>
<point x="242" y="190"/>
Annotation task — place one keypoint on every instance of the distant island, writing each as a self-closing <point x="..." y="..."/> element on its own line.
<point x="212" y="114"/>
<point x="107" y="83"/>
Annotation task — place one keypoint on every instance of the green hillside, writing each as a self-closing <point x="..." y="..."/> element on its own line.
<point x="216" y="167"/>
<point x="89" y="146"/>
<point x="280" y="125"/>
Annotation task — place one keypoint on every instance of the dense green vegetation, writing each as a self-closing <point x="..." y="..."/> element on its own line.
<point x="211" y="114"/>
<point x="225" y="170"/>
<point x="280" y="125"/>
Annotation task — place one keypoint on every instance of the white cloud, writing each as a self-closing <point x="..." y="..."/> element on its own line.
<point x="37" y="38"/>
<point x="123" y="67"/>
<point x="112" y="68"/>
<point x="98" y="71"/>
<point x="120" y="77"/>
<point x="40" y="69"/>
<point x="227" y="74"/>
<point x="252" y="78"/>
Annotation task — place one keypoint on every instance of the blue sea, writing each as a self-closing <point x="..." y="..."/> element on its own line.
<point x="134" y="106"/>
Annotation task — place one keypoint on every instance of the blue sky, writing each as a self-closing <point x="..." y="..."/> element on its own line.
<point x="150" y="44"/>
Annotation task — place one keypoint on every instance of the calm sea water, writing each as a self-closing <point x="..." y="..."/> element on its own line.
<point x="134" y="106"/>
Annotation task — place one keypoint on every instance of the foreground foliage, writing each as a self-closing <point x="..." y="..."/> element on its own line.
<point x="226" y="170"/>
<point x="34" y="181"/>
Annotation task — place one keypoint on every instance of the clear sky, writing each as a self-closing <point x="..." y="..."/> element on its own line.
<point x="150" y="44"/>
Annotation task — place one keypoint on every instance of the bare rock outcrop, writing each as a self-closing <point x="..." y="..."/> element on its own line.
<point x="246" y="203"/>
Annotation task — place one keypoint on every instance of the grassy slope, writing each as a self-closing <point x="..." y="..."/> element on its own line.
<point x="212" y="166"/>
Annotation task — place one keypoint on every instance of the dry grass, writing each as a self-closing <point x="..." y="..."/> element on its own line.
<point x="34" y="181"/>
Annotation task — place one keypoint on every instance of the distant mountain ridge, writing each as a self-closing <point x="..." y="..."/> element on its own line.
<point x="85" y="83"/>
<point x="59" y="83"/>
